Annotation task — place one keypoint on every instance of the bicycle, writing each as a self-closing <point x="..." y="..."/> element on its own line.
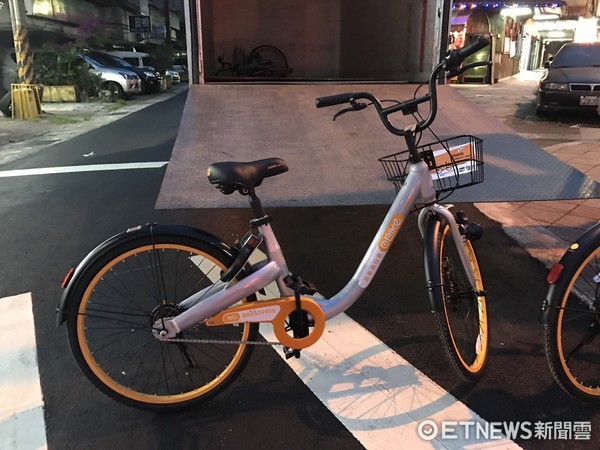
<point x="571" y="318"/>
<point x="162" y="316"/>
<point x="264" y="61"/>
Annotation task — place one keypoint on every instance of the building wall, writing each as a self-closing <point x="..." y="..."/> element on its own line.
<point x="375" y="38"/>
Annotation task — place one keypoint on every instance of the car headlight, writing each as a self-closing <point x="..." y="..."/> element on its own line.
<point x="127" y="76"/>
<point x="555" y="86"/>
<point x="149" y="74"/>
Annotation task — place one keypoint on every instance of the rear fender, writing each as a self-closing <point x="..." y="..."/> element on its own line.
<point x="570" y="261"/>
<point x="72" y="281"/>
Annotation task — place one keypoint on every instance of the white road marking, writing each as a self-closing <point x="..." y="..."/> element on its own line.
<point x="374" y="392"/>
<point x="22" y="407"/>
<point x="84" y="168"/>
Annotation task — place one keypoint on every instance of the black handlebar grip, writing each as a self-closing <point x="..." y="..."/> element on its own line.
<point x="481" y="42"/>
<point x="332" y="100"/>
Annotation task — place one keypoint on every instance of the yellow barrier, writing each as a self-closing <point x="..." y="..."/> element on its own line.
<point x="26" y="101"/>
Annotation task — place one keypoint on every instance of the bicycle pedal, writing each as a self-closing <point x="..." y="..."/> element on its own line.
<point x="289" y="352"/>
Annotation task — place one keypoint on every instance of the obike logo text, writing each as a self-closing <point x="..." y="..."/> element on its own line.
<point x="390" y="232"/>
<point x="252" y="315"/>
<point x="384" y="244"/>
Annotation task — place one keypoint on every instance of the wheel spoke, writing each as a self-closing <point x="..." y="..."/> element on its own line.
<point x="113" y="328"/>
<point x="463" y="321"/>
<point x="572" y="341"/>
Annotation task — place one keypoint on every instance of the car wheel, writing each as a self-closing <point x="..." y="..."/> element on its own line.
<point x="541" y="112"/>
<point x="145" y="87"/>
<point x="116" y="91"/>
<point x="6" y="105"/>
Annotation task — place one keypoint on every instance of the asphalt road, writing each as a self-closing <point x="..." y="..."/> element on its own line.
<point x="52" y="221"/>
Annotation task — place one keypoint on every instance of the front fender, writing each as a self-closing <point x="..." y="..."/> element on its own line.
<point x="432" y="259"/>
<point x="71" y="282"/>
<point x="570" y="262"/>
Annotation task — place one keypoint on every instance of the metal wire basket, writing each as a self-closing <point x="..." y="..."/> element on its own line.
<point x="454" y="163"/>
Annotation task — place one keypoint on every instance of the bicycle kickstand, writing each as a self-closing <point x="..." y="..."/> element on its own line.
<point x="298" y="319"/>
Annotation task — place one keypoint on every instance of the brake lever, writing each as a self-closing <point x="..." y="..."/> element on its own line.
<point x="355" y="107"/>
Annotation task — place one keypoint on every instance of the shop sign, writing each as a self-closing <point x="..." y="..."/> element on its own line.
<point x="139" y="24"/>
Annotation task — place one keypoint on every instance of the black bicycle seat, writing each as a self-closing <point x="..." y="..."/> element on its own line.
<point x="232" y="176"/>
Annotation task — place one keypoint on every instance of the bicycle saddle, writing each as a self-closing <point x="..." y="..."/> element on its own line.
<point x="232" y="176"/>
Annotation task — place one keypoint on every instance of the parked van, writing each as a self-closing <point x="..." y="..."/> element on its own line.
<point x="136" y="59"/>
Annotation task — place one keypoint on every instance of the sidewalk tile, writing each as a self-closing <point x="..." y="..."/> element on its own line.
<point x="580" y="223"/>
<point x="543" y="214"/>
<point x="587" y="212"/>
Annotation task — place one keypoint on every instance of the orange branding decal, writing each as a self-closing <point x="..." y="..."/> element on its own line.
<point x="390" y="232"/>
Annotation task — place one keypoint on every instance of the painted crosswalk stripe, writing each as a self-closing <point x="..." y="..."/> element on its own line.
<point x="374" y="392"/>
<point x="84" y="168"/>
<point x="21" y="404"/>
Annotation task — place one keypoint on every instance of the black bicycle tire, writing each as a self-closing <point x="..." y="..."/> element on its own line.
<point x="588" y="249"/>
<point x="273" y="49"/>
<point x="467" y="371"/>
<point x="102" y="380"/>
<point x="6" y="105"/>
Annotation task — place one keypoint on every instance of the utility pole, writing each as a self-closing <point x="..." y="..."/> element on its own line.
<point x="167" y="22"/>
<point x="21" y="41"/>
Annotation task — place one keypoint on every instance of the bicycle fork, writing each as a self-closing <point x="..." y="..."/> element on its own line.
<point x="471" y="230"/>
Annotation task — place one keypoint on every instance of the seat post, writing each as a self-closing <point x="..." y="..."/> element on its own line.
<point x="256" y="205"/>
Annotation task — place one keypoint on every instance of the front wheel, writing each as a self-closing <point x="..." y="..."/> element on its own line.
<point x="572" y="333"/>
<point x="461" y="313"/>
<point x="116" y="90"/>
<point x="123" y="293"/>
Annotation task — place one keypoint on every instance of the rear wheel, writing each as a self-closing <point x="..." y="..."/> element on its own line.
<point x="463" y="321"/>
<point x="572" y="334"/>
<point x="123" y="294"/>
<point x="272" y="59"/>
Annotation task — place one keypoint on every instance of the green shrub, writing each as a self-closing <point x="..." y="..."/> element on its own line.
<point x="55" y="66"/>
<point x="163" y="57"/>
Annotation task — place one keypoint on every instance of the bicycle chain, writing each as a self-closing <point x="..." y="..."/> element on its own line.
<point x="221" y="341"/>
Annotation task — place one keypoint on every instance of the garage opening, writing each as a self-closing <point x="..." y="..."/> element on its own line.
<point x="312" y="40"/>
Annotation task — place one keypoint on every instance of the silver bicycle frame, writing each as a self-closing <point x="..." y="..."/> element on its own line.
<point x="418" y="186"/>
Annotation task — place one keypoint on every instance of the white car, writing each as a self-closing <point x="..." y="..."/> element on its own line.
<point x="175" y="78"/>
<point x="121" y="82"/>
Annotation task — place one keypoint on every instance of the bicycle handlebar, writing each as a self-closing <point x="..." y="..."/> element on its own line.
<point x="451" y="62"/>
<point x="456" y="57"/>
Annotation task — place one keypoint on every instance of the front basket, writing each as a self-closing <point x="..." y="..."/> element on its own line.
<point x="454" y="163"/>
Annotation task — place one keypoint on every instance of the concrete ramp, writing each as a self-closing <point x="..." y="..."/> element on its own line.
<point x="335" y="163"/>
